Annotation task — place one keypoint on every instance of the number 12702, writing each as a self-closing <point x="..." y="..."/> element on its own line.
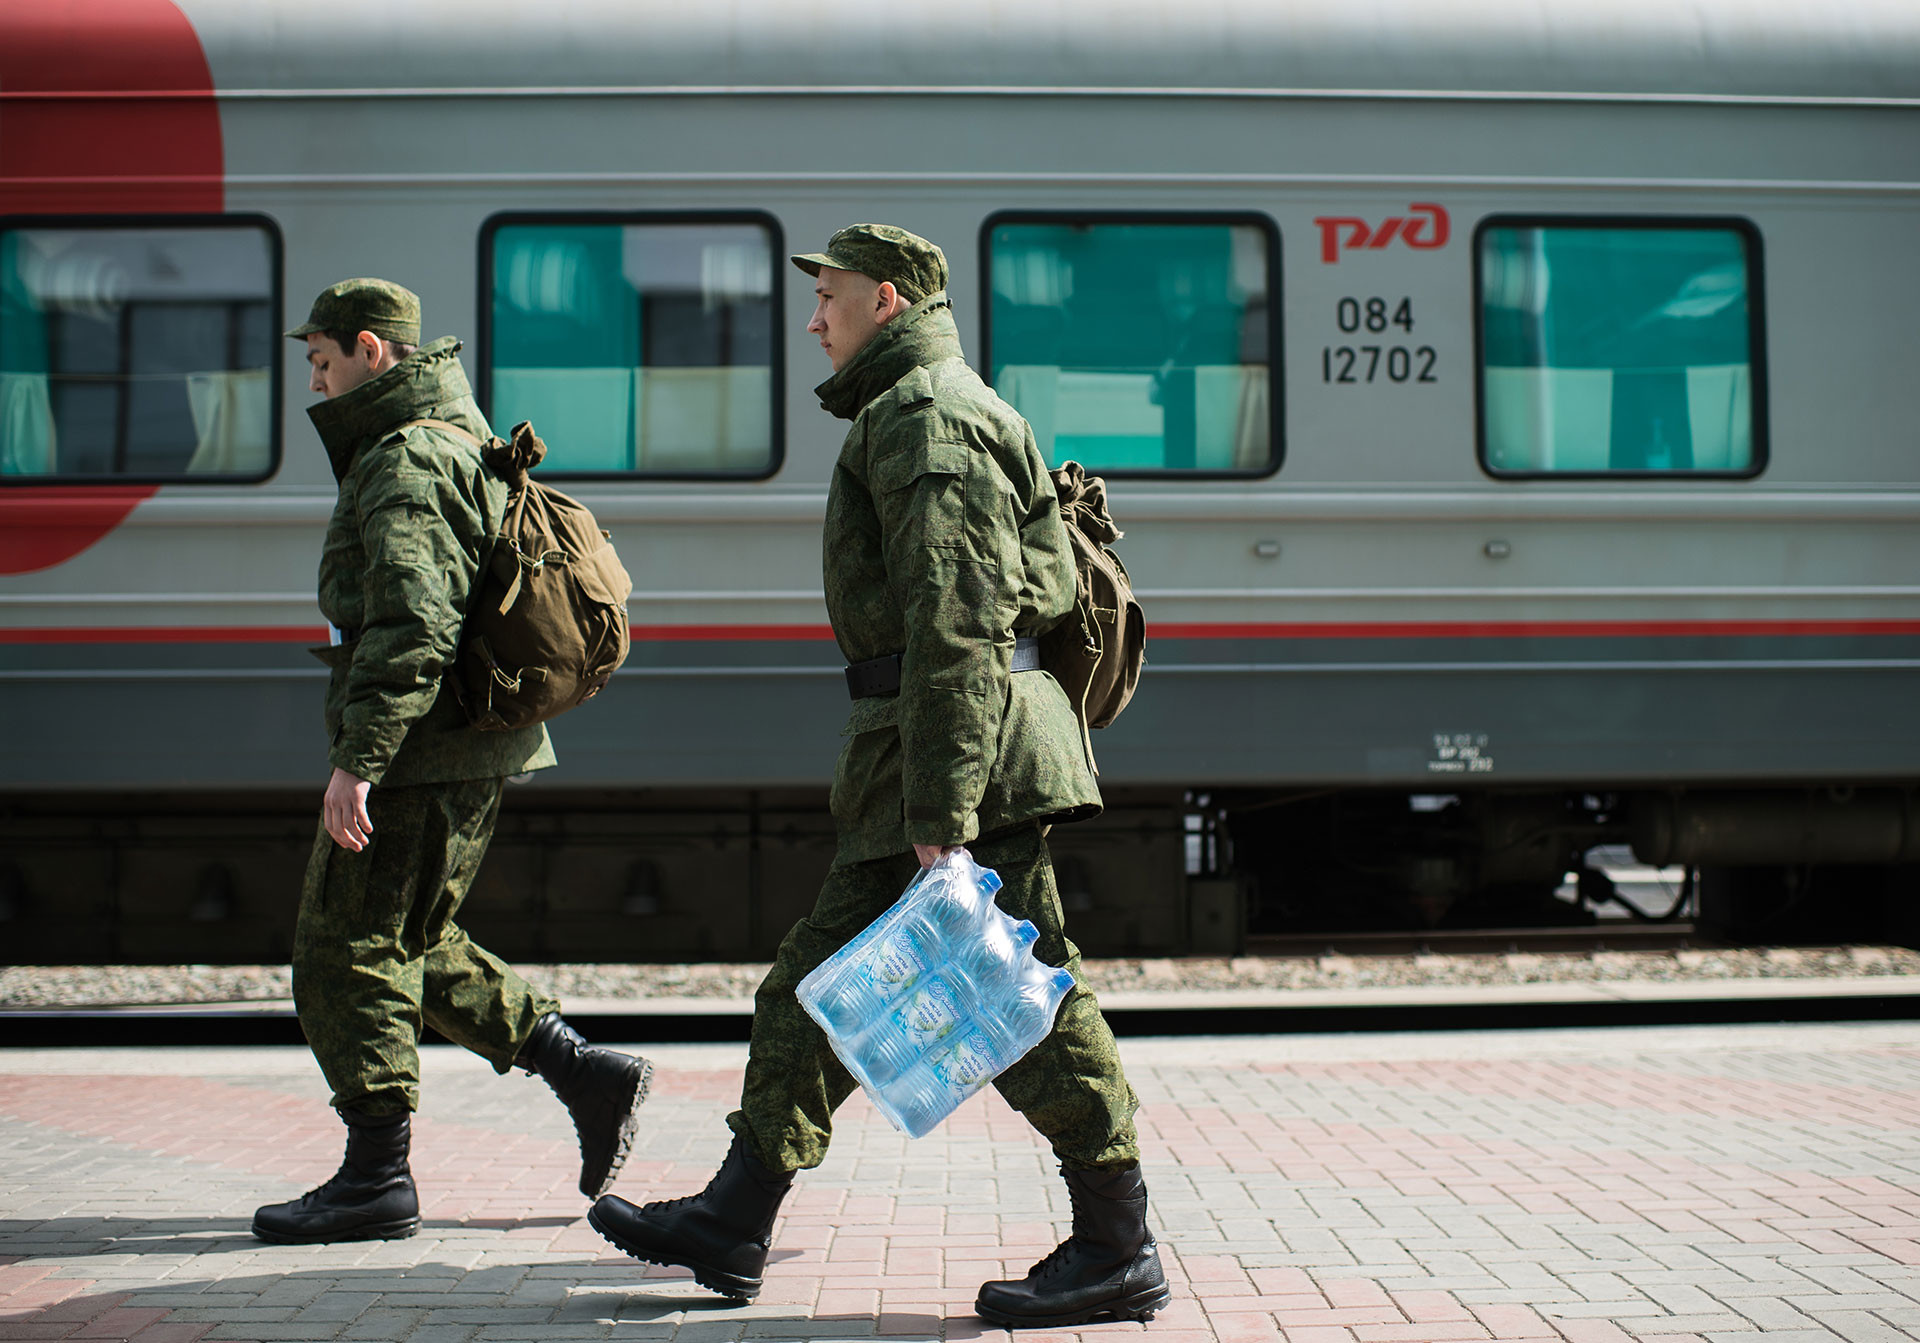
<point x="1377" y="363"/>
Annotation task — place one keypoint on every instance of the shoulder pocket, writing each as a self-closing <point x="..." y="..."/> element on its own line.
<point x="940" y="457"/>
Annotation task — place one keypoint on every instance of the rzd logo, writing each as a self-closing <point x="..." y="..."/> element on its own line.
<point x="1432" y="231"/>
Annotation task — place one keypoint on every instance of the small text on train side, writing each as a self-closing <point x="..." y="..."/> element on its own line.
<point x="1355" y="364"/>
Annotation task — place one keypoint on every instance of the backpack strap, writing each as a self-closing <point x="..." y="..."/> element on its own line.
<point x="453" y="429"/>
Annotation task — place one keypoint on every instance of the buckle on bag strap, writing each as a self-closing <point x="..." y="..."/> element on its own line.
<point x="881" y="675"/>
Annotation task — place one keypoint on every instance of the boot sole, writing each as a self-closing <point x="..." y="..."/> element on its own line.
<point x="395" y="1230"/>
<point x="1141" y="1306"/>
<point x="623" y="1138"/>
<point x="713" y="1279"/>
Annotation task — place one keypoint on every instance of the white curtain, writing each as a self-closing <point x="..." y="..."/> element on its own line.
<point x="26" y="425"/>
<point x="232" y="419"/>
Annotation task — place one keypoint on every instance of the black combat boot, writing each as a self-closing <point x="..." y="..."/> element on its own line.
<point x="722" y="1233"/>
<point x="371" y="1196"/>
<point x="1108" y="1267"/>
<point x="602" y="1089"/>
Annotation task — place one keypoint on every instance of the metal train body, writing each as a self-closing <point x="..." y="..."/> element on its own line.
<point x="1375" y="615"/>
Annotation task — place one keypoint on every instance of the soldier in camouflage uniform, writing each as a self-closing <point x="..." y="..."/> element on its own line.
<point x="415" y="791"/>
<point x="945" y="554"/>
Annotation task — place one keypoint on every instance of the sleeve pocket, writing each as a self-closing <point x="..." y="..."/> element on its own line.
<point x="941" y="457"/>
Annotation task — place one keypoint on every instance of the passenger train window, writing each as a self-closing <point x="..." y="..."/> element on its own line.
<point x="1615" y="347"/>
<point x="1138" y="344"/>
<point x="637" y="344"/>
<point x="139" y="350"/>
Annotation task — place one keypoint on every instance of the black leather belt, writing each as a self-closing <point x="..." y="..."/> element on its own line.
<point x="881" y="676"/>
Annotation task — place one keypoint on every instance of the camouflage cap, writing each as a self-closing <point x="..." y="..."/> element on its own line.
<point x="379" y="306"/>
<point x="882" y="252"/>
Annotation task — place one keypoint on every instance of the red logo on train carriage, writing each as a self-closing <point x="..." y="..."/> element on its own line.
<point x="1346" y="232"/>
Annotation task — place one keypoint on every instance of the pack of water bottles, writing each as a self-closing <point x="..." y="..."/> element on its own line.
<point x="937" y="997"/>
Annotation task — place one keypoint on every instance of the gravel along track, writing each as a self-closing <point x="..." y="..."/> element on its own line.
<point x="71" y="986"/>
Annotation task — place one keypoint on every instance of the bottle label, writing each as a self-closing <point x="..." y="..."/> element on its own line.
<point x="893" y="964"/>
<point x="929" y="1016"/>
<point x="969" y="1065"/>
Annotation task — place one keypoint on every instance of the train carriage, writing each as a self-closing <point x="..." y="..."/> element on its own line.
<point x="1509" y="409"/>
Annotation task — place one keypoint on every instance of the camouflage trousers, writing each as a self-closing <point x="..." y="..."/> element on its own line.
<point x="376" y="951"/>
<point x="1070" y="1087"/>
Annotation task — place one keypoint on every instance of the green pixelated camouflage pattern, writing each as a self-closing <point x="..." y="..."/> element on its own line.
<point x="388" y="310"/>
<point x="407" y="537"/>
<point x="884" y="252"/>
<point x="377" y="950"/>
<point x="1071" y="1087"/>
<point x="943" y="540"/>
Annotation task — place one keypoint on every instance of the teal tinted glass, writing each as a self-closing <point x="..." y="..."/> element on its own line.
<point x="1136" y="346"/>
<point x="636" y="347"/>
<point x="146" y="352"/>
<point x="1617" y="349"/>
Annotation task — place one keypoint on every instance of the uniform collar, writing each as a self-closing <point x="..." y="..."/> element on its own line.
<point x="424" y="385"/>
<point x="923" y="334"/>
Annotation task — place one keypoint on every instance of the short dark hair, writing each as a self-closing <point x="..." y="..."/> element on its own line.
<point x="347" y="340"/>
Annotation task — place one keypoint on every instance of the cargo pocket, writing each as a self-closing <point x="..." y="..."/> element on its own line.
<point x="313" y="887"/>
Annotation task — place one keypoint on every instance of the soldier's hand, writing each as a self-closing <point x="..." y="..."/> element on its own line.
<point x="929" y="854"/>
<point x="344" y="810"/>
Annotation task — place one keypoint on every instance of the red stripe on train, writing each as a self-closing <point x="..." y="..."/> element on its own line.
<point x="1525" y="629"/>
<point x="1516" y="629"/>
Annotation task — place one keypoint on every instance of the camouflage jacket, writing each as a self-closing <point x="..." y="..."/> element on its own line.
<point x="943" y="541"/>
<point x="405" y="541"/>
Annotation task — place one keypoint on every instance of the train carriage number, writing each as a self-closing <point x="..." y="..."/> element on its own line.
<point x="1356" y="364"/>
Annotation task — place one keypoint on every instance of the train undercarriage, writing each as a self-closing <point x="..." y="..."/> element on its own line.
<point x="720" y="875"/>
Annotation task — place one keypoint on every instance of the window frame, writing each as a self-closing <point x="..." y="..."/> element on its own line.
<point x="277" y="377"/>
<point x="1756" y="335"/>
<point x="777" y="356"/>
<point x="1276" y="361"/>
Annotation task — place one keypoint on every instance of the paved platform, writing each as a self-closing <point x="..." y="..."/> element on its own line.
<point x="1674" y="1184"/>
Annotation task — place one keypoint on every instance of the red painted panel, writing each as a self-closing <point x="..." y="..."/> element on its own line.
<point x="45" y="525"/>
<point x="106" y="107"/>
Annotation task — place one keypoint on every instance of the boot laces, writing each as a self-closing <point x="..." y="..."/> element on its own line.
<point x="338" y="1177"/>
<point x="1056" y="1260"/>
<point x="675" y="1204"/>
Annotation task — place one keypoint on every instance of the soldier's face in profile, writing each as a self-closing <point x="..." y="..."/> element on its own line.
<point x="333" y="370"/>
<point x="846" y="313"/>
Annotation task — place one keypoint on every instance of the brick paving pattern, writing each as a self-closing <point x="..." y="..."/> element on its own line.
<point x="1678" y="1185"/>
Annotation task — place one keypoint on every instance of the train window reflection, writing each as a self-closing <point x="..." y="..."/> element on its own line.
<point x="635" y="345"/>
<point x="1620" y="348"/>
<point x="142" y="352"/>
<point x="1137" y="344"/>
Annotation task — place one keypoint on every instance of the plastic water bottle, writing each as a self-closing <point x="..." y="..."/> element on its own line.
<point x="938" y="1006"/>
<point x="996" y="951"/>
<point x="936" y="1086"/>
<point x="937" y="996"/>
<point x="1002" y="1030"/>
<point x="886" y="967"/>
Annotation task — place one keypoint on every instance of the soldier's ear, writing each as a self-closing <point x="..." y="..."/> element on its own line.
<point x="368" y="347"/>
<point x="885" y="302"/>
